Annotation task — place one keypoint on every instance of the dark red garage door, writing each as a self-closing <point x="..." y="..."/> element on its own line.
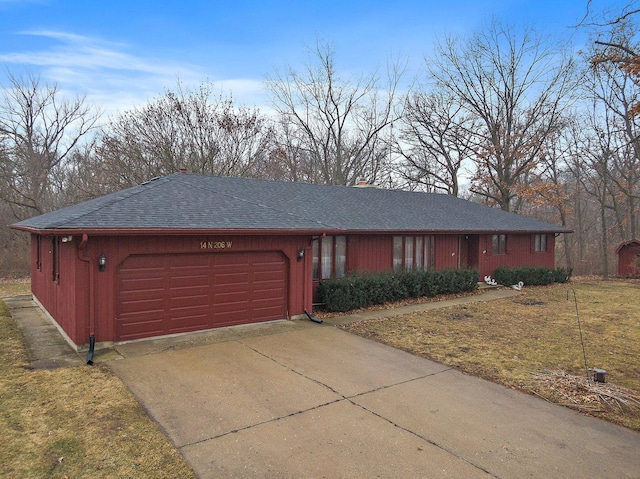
<point x="167" y="294"/>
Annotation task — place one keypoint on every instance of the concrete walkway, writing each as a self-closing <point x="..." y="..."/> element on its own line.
<point x="46" y="347"/>
<point x="298" y="399"/>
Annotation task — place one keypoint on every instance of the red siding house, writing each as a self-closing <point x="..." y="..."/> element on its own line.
<point x="629" y="258"/>
<point x="188" y="252"/>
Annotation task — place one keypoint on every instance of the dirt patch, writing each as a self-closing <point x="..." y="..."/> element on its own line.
<point x="530" y="302"/>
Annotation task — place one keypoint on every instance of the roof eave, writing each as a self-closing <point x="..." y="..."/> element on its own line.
<point x="265" y="231"/>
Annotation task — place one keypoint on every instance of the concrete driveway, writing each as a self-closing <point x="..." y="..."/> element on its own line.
<point x="297" y="399"/>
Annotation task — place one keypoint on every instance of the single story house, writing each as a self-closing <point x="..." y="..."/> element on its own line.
<point x="629" y="258"/>
<point x="188" y="252"/>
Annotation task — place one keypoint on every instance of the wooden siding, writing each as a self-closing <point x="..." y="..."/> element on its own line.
<point x="629" y="260"/>
<point x="369" y="253"/>
<point x="70" y="302"/>
<point x="452" y="251"/>
<point x="62" y="300"/>
<point x="84" y="300"/>
<point x="446" y="250"/>
<point x="519" y="252"/>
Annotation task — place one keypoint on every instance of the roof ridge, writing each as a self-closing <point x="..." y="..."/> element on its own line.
<point x="244" y="200"/>
<point x="118" y="196"/>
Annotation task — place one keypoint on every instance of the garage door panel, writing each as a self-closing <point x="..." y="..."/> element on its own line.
<point x="230" y="278"/>
<point x="188" y="301"/>
<point x="267" y="291"/>
<point x="180" y="295"/>
<point x="164" y="294"/>
<point x="221" y="299"/>
<point x="232" y="259"/>
<point x="137" y="284"/>
<point x="129" y="330"/>
<point x="265" y="278"/>
<point x="188" y="323"/>
<point x="142" y="306"/>
<point x="269" y="307"/>
<point x="240" y="305"/>
<point x="234" y="288"/>
<point x="188" y="282"/>
<point x="231" y="318"/>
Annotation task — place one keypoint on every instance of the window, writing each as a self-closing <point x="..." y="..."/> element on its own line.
<point x="499" y="244"/>
<point x="330" y="257"/>
<point x="55" y="259"/>
<point x="398" y="242"/>
<point x="413" y="252"/>
<point x="540" y="243"/>
<point x="326" y="255"/>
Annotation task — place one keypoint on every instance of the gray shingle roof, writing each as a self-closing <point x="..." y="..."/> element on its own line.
<point x="186" y="201"/>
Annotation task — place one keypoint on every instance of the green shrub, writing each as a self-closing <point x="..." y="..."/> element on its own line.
<point x="366" y="289"/>
<point x="531" y="276"/>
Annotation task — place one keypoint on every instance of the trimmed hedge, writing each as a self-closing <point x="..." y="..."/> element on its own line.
<point x="532" y="276"/>
<point x="366" y="289"/>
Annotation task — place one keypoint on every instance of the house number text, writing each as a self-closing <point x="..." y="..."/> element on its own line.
<point x="215" y="244"/>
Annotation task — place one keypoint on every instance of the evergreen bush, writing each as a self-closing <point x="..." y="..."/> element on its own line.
<point x="532" y="276"/>
<point x="361" y="290"/>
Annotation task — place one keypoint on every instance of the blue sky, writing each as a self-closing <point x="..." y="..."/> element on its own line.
<point x="122" y="53"/>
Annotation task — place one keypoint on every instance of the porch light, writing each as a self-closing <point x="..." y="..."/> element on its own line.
<point x="300" y="255"/>
<point x="102" y="262"/>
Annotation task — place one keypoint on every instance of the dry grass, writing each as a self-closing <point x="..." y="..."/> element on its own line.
<point x="517" y="341"/>
<point x="74" y="422"/>
<point x="14" y="287"/>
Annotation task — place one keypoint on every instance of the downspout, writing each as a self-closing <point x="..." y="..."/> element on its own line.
<point x="305" y="293"/>
<point x="92" y="319"/>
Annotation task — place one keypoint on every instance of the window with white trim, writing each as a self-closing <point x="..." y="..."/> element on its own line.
<point x="413" y="252"/>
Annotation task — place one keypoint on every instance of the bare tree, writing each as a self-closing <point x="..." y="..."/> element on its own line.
<point x="39" y="131"/>
<point x="595" y="176"/>
<point x="516" y="86"/>
<point x="290" y="160"/>
<point x="616" y="89"/>
<point x="434" y="140"/>
<point x="339" y="124"/>
<point x="192" y="130"/>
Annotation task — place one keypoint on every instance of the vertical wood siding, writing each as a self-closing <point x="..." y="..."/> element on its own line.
<point x="68" y="300"/>
<point x="629" y="260"/>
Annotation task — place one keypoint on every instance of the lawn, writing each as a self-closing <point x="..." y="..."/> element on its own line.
<point x="532" y="342"/>
<point x="14" y="287"/>
<point x="73" y="422"/>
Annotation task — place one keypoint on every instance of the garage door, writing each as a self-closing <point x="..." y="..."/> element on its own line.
<point x="167" y="294"/>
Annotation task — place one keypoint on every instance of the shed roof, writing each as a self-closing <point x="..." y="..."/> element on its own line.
<point x="624" y="244"/>
<point x="194" y="202"/>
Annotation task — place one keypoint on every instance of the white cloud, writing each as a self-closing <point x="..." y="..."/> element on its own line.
<point x="113" y="78"/>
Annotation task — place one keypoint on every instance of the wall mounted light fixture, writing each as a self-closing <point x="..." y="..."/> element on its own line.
<point x="102" y="262"/>
<point x="66" y="239"/>
<point x="300" y="255"/>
